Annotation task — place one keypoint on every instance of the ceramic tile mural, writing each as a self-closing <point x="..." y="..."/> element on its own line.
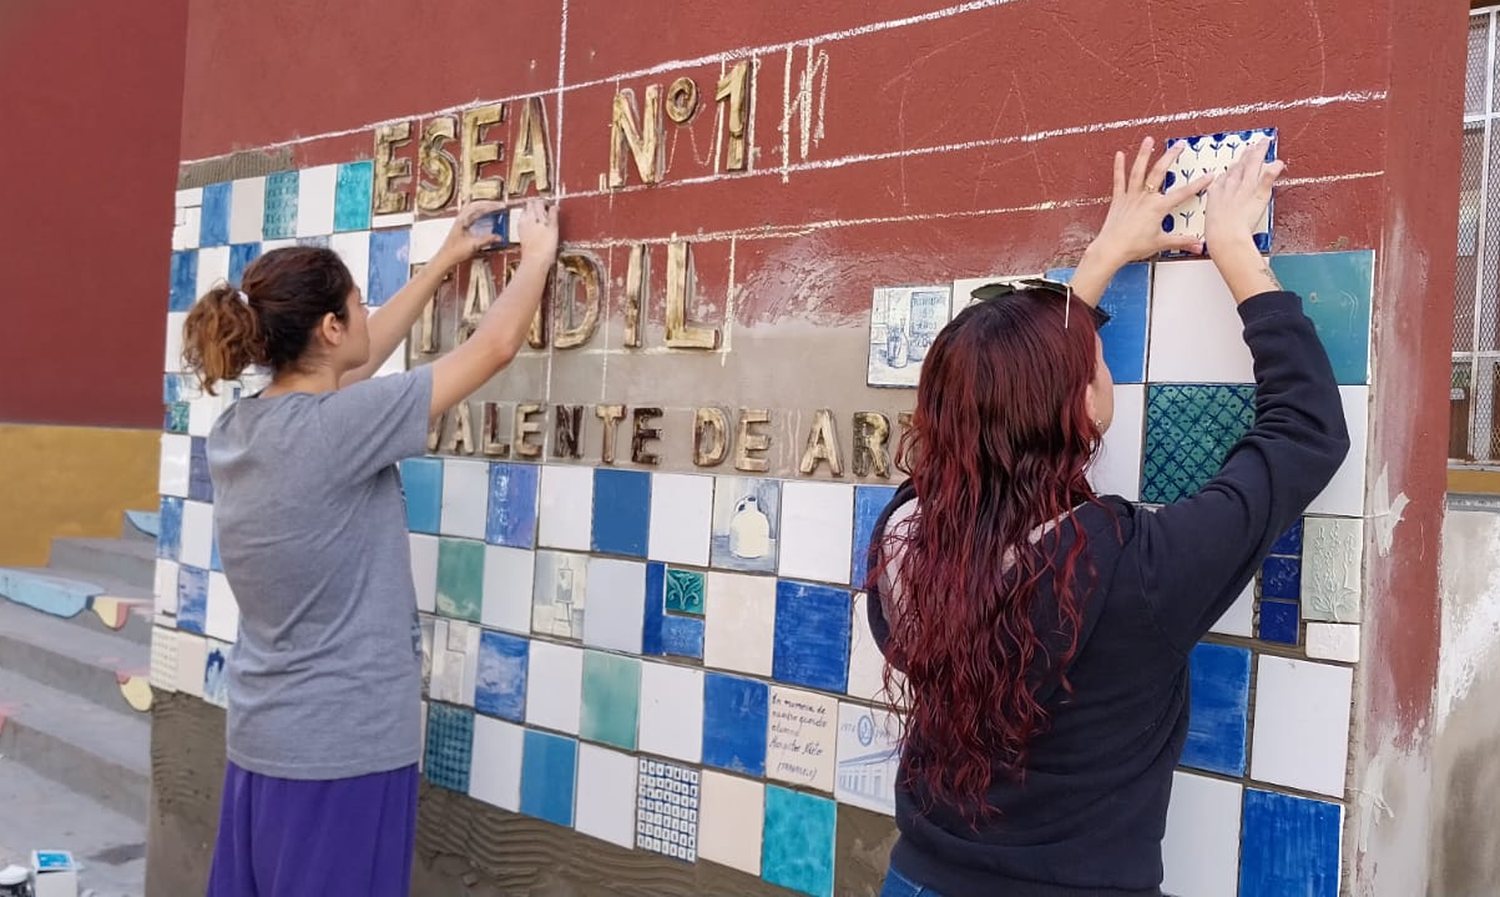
<point x="1208" y="155"/>
<point x="679" y="662"/>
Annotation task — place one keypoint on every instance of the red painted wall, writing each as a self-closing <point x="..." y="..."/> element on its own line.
<point x="91" y="98"/>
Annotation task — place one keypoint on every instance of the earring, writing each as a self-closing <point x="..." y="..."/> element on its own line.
<point x="1098" y="423"/>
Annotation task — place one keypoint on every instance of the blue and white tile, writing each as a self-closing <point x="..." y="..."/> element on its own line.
<point x="549" y="771"/>
<point x="812" y="635"/>
<point x="869" y="502"/>
<point x="621" y="512"/>
<point x="192" y="660"/>
<point x="1345" y="495"/>
<point x="559" y="594"/>
<point x="869" y="757"/>
<point x="606" y="804"/>
<point x="214" y="229"/>
<point x="735" y="723"/>
<point x="280" y="221"/>
<point x="424" y="571"/>
<point x="798" y="845"/>
<point x="1210" y="154"/>
<point x="165" y="591"/>
<point x="1127" y="299"/>
<point x="904" y="321"/>
<point x="466" y="491"/>
<point x="554" y="686"/>
<point x="354" y="248"/>
<point x="565" y="518"/>
<point x="817" y="527"/>
<point x="197" y="534"/>
<point x="1289" y="845"/>
<point x="495" y="777"/>
<point x="316" y="189"/>
<point x="512" y="505"/>
<point x="667" y="802"/>
<point x="500" y="683"/>
<point x="192" y="600"/>
<point x="681" y="518"/>
<point x="616" y="611"/>
<point x="509" y="583"/>
<point x="1117" y="467"/>
<point x="247" y="209"/>
<point x="1301" y="724"/>
<point x="730" y="818"/>
<point x="746" y="524"/>
<point x="802" y="738"/>
<point x="1202" y="846"/>
<point x="740" y="623"/>
<point x="222" y="620"/>
<point x="1196" y="332"/>
<point x="1219" y="708"/>
<point x="176" y="464"/>
<point x="216" y="675"/>
<point x="671" y="714"/>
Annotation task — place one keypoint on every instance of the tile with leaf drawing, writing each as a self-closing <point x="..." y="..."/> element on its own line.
<point x="685" y="592"/>
<point x="1210" y="154"/>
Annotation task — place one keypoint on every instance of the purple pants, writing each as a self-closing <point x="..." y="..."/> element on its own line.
<point x="295" y="838"/>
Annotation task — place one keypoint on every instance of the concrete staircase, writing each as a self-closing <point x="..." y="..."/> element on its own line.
<point x="75" y="731"/>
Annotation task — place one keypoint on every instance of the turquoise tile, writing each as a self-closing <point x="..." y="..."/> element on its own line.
<point x="460" y="586"/>
<point x="1190" y="429"/>
<point x="797" y="850"/>
<point x="281" y="206"/>
<point x="549" y="771"/>
<point x="611" y="699"/>
<point x="450" y="747"/>
<point x="1336" y="290"/>
<point x="685" y="592"/>
<point x="351" y="198"/>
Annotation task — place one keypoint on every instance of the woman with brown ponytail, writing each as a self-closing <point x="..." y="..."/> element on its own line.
<point x="325" y="678"/>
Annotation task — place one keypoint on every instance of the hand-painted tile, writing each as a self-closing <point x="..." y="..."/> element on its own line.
<point x="1197" y="335"/>
<point x="512" y="505"/>
<point x="495" y="774"/>
<point x="1219" y="709"/>
<point x="1210" y="154"/>
<point x="315" y="197"/>
<point x="812" y="636"/>
<point x="904" y="322"/>
<point x="460" y="586"/>
<point x="424" y="567"/>
<point x="554" y="686"/>
<point x="672" y="711"/>
<point x="747" y="517"/>
<point x="192" y="598"/>
<point x="422" y="481"/>
<point x="549" y="767"/>
<point x="616" y="614"/>
<point x="1333" y="641"/>
<point x="390" y="265"/>
<point x="735" y="723"/>
<point x="732" y="812"/>
<point x="1333" y="569"/>
<point x="661" y="634"/>
<point x="797" y="851"/>
<point x="214" y="225"/>
<point x="450" y="743"/>
<point x="681" y="518"/>
<point x="869" y="754"/>
<point x="1202" y="846"/>
<point x="455" y="662"/>
<point x="353" y="248"/>
<point x="739" y="625"/>
<point x="1117" y="465"/>
<point x="1281" y="577"/>
<point x="281" y="205"/>
<point x="169" y="538"/>
<point x="1127" y="299"/>
<point x="466" y="488"/>
<point x="622" y="511"/>
<point x="1189" y="432"/>
<point x="1290" y="845"/>
<point x="200" y="482"/>
<point x="1290" y="543"/>
<point x="565" y="518"/>
<point x="607" y="787"/>
<point x="1336" y="290"/>
<point x="351" y="210"/>
<point x="500" y="689"/>
<point x="1345" y="495"/>
<point x="216" y="677"/>
<point x="685" y="592"/>
<point x="666" y="820"/>
<point x="611" y="699"/>
<point x="817" y="526"/>
<point x="1279" y="622"/>
<point x="1301" y="724"/>
<point x="221" y="619"/>
<point x="509" y="586"/>
<point x="184" y="281"/>
<point x="869" y="502"/>
<point x="559" y="593"/>
<point x="801" y="737"/>
<point x="247" y="209"/>
<point x="240" y="257"/>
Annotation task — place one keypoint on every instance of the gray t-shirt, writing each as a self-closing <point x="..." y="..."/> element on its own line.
<point x="325" y="681"/>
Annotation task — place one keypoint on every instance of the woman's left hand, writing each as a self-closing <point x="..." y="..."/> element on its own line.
<point x="460" y="245"/>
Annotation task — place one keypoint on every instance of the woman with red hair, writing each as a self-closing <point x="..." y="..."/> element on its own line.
<point x="1037" y="634"/>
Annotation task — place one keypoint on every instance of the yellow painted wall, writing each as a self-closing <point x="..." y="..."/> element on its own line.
<point x="70" y="481"/>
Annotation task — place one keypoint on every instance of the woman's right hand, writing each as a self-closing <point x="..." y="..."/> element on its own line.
<point x="537" y="232"/>
<point x="1236" y="201"/>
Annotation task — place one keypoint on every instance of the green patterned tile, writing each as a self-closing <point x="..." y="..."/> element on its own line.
<point x="1190" y="429"/>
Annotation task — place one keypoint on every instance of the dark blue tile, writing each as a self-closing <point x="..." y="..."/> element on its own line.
<point x="1281" y="578"/>
<point x="200" y="484"/>
<point x="652" y="643"/>
<point x="1278" y="622"/>
<point x="1127" y="299"/>
<point x="184" y="283"/>
<point x="512" y="505"/>
<point x="450" y="747"/>
<point x="735" y="717"/>
<point x="1290" y="543"/>
<point x="240" y="257"/>
<point x="501" y="685"/>
<point x="812" y="636"/>
<point x="549" y="765"/>
<point x="1289" y="845"/>
<point x="192" y="599"/>
<point x="682" y="636"/>
<point x="869" y="501"/>
<point x="1336" y="290"/>
<point x="1218" y="709"/>
<point x="169" y="539"/>
<point x="390" y="264"/>
<point x="214" y="229"/>
<point x="351" y="197"/>
<point x="622" y="511"/>
<point x="422" y="481"/>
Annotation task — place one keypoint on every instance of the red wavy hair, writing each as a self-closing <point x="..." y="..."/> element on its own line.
<point x="999" y="445"/>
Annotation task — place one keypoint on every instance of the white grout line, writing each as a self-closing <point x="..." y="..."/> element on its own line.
<point x="562" y="67"/>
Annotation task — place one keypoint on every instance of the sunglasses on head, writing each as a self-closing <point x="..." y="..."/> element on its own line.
<point x="1003" y="288"/>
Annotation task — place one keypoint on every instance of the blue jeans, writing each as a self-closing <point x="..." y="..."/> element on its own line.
<point x="898" y="885"/>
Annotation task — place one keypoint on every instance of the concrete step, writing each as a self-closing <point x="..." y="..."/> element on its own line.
<point x="104" y="755"/>
<point x="133" y="560"/>
<point x="100" y="603"/>
<point x="69" y="657"/>
<point x="109" y="847"/>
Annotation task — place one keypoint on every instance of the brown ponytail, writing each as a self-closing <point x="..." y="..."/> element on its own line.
<point x="220" y="339"/>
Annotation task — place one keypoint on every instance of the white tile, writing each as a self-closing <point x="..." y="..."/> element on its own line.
<point x="172" y="362"/>
<point x="163" y="658"/>
<point x="190" y="196"/>
<point x="866" y="663"/>
<point x="817" y="530"/>
<point x="731" y="811"/>
<point x="213" y="268"/>
<point x="495" y="766"/>
<point x="1346" y="494"/>
<point x="1301" y="725"/>
<point x="466" y="495"/>
<point x="682" y="508"/>
<point x="1239" y="618"/>
<point x="315" y="198"/>
<point x="1333" y="641"/>
<point x="566" y="511"/>
<point x="422" y="737"/>
<point x="1196" y="332"/>
<point x="222" y="617"/>
<point x="424" y="564"/>
<point x="739" y="622"/>
<point x="176" y="464"/>
<point x="354" y="248"/>
<point x="396" y="363"/>
<point x="197" y="534"/>
<point x="869" y="756"/>
<point x="1333" y="551"/>
<point x="269" y="245"/>
<point x="166" y="588"/>
<point x="615" y="611"/>
<point x="247" y="210"/>
<point x="802" y="738"/>
<point x="1117" y="466"/>
<point x="1201" y="850"/>
<point x="395" y="219"/>
<point x="508" y="574"/>
<point x="554" y="686"/>
<point x="427" y="238"/>
<point x="187" y="226"/>
<point x="606" y="784"/>
<point x="963" y="289"/>
<point x="204" y="411"/>
<point x="671" y="720"/>
<point x="192" y="658"/>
